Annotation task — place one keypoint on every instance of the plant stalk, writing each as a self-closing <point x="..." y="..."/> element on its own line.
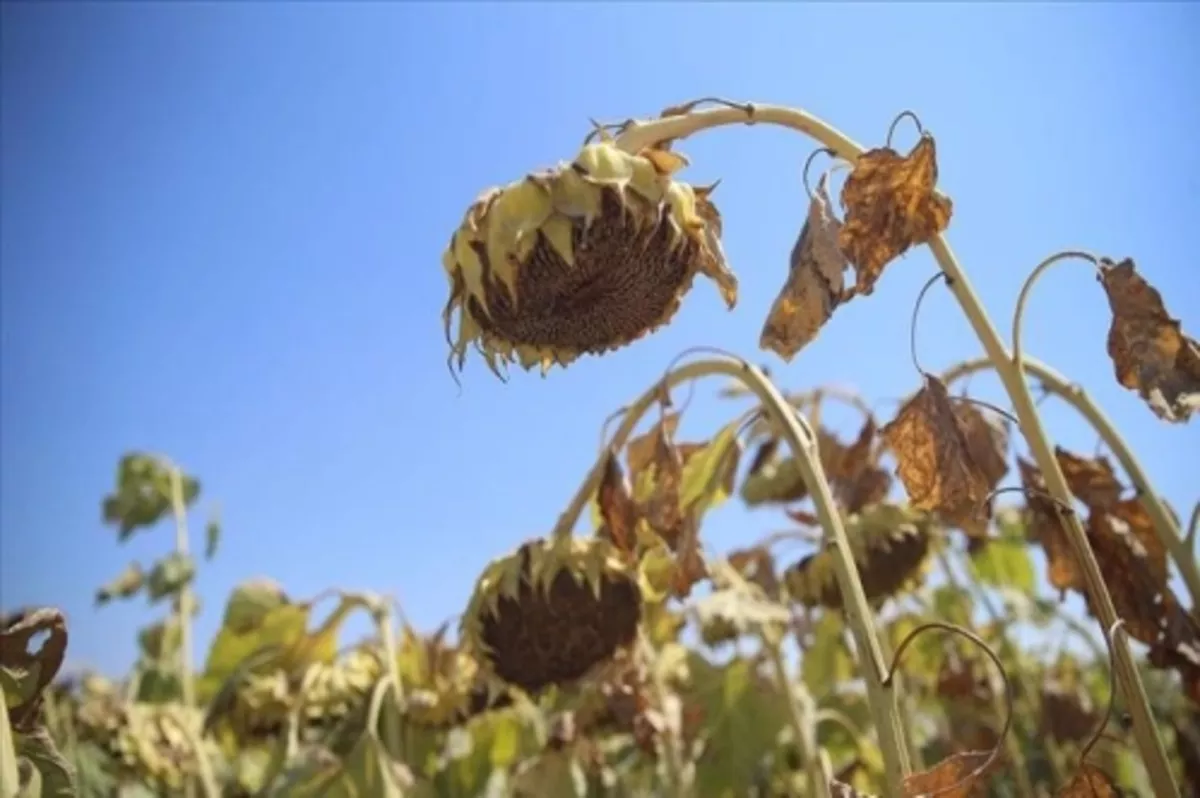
<point x="880" y="695"/>
<point x="640" y="134"/>
<point x="804" y="727"/>
<point x="184" y="599"/>
<point x="183" y="602"/>
<point x="1165" y="523"/>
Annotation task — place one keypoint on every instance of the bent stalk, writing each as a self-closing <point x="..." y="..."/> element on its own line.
<point x="639" y="134"/>
<point x="1165" y="523"/>
<point x="858" y="612"/>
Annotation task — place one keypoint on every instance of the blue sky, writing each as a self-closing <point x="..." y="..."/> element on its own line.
<point x="222" y="227"/>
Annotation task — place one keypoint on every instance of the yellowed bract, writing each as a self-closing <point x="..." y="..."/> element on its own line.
<point x="585" y="257"/>
<point x="552" y="611"/>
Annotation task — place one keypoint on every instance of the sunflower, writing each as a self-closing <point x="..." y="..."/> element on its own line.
<point x="552" y="611"/>
<point x="585" y="257"/>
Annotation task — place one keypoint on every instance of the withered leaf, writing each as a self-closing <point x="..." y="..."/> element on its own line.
<point x="1068" y="713"/>
<point x="1043" y="526"/>
<point x="890" y="206"/>
<point x="763" y="455"/>
<point x="815" y="285"/>
<point x="934" y="458"/>
<point x="957" y="776"/>
<point x="640" y="451"/>
<point x="1089" y="782"/>
<point x="617" y="509"/>
<point x="987" y="444"/>
<point x="1150" y="609"/>
<point x="1091" y="479"/>
<point x="1149" y="351"/>
<point x="756" y="565"/>
<point x="26" y="672"/>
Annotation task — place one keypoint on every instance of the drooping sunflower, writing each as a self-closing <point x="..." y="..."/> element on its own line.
<point x="585" y="257"/>
<point x="552" y="611"/>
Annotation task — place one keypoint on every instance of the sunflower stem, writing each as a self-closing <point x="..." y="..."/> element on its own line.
<point x="804" y="727"/>
<point x="183" y="610"/>
<point x="880" y="695"/>
<point x="672" y="747"/>
<point x="640" y="134"/>
<point x="1165" y="524"/>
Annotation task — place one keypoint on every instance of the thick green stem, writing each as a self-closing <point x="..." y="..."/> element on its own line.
<point x="804" y="727"/>
<point x="640" y="134"/>
<point x="1165" y="523"/>
<point x="858" y="613"/>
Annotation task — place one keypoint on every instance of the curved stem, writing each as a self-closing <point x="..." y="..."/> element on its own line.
<point x="640" y="134"/>
<point x="858" y="612"/>
<point x="1027" y="288"/>
<point x="1165" y="523"/>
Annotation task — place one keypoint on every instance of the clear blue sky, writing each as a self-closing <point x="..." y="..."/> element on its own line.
<point x="222" y="230"/>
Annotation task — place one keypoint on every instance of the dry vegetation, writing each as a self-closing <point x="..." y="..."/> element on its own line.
<point x="904" y="653"/>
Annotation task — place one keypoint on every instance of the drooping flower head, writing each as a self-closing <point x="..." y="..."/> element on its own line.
<point x="582" y="258"/>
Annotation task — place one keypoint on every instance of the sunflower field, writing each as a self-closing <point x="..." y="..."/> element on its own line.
<point x="913" y="650"/>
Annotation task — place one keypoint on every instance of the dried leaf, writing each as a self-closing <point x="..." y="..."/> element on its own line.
<point x="987" y="442"/>
<point x="758" y="566"/>
<point x="1091" y="479"/>
<point x="815" y="285"/>
<point x="1043" y="526"/>
<point x="640" y="451"/>
<point x="890" y="206"/>
<point x="619" y="513"/>
<point x="934" y="458"/>
<point x="1150" y="609"/>
<point x="1149" y="351"/>
<point x="1187" y="745"/>
<point x="1089" y="782"/>
<point x="857" y="479"/>
<point x="24" y="673"/>
<point x="956" y="776"/>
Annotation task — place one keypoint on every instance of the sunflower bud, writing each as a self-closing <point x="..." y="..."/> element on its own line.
<point x="583" y="258"/>
<point x="551" y="612"/>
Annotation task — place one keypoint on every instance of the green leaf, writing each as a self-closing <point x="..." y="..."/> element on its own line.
<point x="745" y="715"/>
<point x="707" y="473"/>
<point x="143" y="494"/>
<point x="212" y="537"/>
<point x="126" y="585"/>
<point x="169" y="576"/>
<point x="826" y="663"/>
<point x="953" y="605"/>
<point x="161" y="640"/>
<point x="1004" y="563"/>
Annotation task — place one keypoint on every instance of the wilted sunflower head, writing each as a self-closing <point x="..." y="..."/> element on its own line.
<point x="585" y="257"/>
<point x="551" y="611"/>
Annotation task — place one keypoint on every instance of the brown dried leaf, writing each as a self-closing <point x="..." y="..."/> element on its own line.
<point x="27" y="672"/>
<point x="617" y="508"/>
<point x="1043" y="526"/>
<point x="757" y="565"/>
<point x="933" y="457"/>
<point x="963" y="772"/>
<point x="1089" y="782"/>
<point x="890" y="206"/>
<point x="1133" y="513"/>
<point x="662" y="509"/>
<point x="1091" y="479"/>
<point x="1149" y="351"/>
<point x="987" y="443"/>
<point x="640" y="451"/>
<point x="815" y="285"/>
